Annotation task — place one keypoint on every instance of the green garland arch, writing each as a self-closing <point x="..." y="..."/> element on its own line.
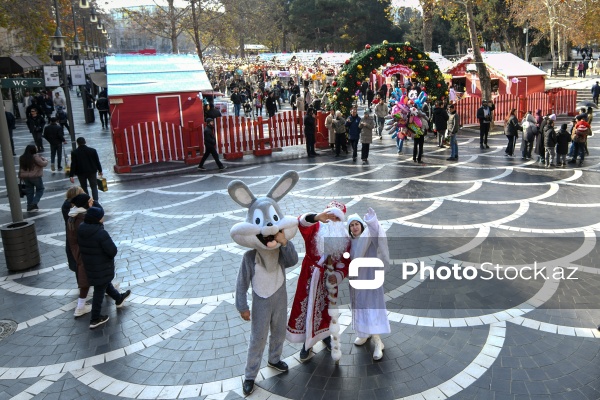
<point x="362" y="64"/>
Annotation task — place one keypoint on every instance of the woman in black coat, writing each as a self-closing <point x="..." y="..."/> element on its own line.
<point x="511" y="129"/>
<point x="98" y="252"/>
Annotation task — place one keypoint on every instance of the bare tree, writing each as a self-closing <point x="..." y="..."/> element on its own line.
<point x="165" y="22"/>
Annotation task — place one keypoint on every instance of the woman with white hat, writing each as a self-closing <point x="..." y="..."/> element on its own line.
<point x="369" y="314"/>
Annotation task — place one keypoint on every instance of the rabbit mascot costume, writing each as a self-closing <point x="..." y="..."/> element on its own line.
<point x="267" y="232"/>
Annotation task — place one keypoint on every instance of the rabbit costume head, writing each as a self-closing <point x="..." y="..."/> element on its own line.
<point x="265" y="218"/>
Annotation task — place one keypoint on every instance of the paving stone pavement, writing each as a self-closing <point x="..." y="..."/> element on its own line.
<point x="180" y="336"/>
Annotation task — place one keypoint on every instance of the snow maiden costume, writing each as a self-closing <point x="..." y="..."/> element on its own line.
<point x="310" y="319"/>
<point x="267" y="231"/>
<point x="369" y="314"/>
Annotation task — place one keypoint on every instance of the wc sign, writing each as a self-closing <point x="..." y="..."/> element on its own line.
<point x="364" y="262"/>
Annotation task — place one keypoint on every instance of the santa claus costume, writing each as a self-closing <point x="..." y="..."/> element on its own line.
<point x="325" y="244"/>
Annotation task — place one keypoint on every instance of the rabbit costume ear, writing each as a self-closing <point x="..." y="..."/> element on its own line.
<point x="240" y="193"/>
<point x="286" y="183"/>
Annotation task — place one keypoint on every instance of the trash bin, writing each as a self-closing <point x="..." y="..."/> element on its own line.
<point x="20" y="244"/>
<point x="571" y="72"/>
<point x="89" y="115"/>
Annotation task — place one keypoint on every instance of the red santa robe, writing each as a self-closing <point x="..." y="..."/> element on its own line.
<point x="309" y="320"/>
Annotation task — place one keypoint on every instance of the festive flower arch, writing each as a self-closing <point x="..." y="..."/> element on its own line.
<point x="363" y="64"/>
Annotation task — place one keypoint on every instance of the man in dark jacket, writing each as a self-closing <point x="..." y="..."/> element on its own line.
<point x="85" y="164"/>
<point x="440" y="120"/>
<point x="210" y="145"/>
<point x="309" y="132"/>
<point x="12" y="124"/>
<point x="596" y="92"/>
<point x="550" y="143"/>
<point x="98" y="253"/>
<point x="484" y="115"/>
<point x="103" y="109"/>
<point x="236" y="99"/>
<point x="53" y="133"/>
<point x="352" y="123"/>
<point x="271" y="105"/>
<point x="36" y="123"/>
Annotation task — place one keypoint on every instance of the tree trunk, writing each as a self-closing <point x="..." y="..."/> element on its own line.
<point x="242" y="47"/>
<point x="195" y="27"/>
<point x="552" y="25"/>
<point x="484" y="76"/>
<point x="427" y="28"/>
<point x="174" y="45"/>
<point x="559" y="43"/>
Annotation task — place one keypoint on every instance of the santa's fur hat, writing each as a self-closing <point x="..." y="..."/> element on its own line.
<point x="336" y="208"/>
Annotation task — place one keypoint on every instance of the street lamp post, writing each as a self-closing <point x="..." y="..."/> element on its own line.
<point x="59" y="42"/>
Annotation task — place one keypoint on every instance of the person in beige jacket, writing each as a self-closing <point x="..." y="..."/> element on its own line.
<point x="366" y="126"/>
<point x="31" y="170"/>
<point x="381" y="111"/>
<point x="330" y="128"/>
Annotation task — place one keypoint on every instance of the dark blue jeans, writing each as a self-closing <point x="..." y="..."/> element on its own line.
<point x="98" y="298"/>
<point x="31" y="185"/>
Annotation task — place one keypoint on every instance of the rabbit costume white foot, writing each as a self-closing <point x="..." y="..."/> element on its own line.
<point x="266" y="231"/>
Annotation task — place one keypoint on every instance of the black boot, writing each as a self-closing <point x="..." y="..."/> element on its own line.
<point x="248" y="387"/>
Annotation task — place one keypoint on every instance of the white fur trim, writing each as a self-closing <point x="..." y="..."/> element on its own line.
<point x="337" y="212"/>
<point x="302" y="220"/>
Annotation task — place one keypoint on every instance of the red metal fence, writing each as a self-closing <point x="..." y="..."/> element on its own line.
<point x="560" y="101"/>
<point x="152" y="142"/>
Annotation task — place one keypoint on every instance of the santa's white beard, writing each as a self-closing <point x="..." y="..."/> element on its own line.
<point x="332" y="239"/>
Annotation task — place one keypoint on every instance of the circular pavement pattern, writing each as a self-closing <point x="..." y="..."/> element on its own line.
<point x="180" y="336"/>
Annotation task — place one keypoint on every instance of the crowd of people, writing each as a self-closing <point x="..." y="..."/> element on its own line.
<point x="552" y="147"/>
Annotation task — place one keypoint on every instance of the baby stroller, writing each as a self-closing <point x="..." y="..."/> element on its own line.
<point x="248" y="108"/>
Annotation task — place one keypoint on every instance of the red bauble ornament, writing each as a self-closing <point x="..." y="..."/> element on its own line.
<point x="391" y="58"/>
<point x="350" y="76"/>
<point x="390" y="49"/>
<point x="367" y="46"/>
<point x="439" y="85"/>
<point x="427" y="67"/>
<point x="334" y="83"/>
<point x="337" y="90"/>
<point x="409" y="59"/>
<point x="371" y="58"/>
<point x="409" y="49"/>
<point x="357" y="83"/>
<point x="374" y="72"/>
<point x="347" y="62"/>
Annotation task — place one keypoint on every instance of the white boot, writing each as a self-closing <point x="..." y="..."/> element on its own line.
<point x="360" y="341"/>
<point x="378" y="352"/>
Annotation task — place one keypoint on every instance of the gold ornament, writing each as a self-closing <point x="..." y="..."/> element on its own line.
<point x="446" y="92"/>
<point x="385" y="42"/>
<point x="334" y="97"/>
<point x="419" y="56"/>
<point x="378" y="55"/>
<point x="436" y="70"/>
<point x="407" y="43"/>
<point x="344" y="73"/>
<point x="398" y="49"/>
<point x="345" y="89"/>
<point x="359" y="66"/>
<point x="426" y="78"/>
